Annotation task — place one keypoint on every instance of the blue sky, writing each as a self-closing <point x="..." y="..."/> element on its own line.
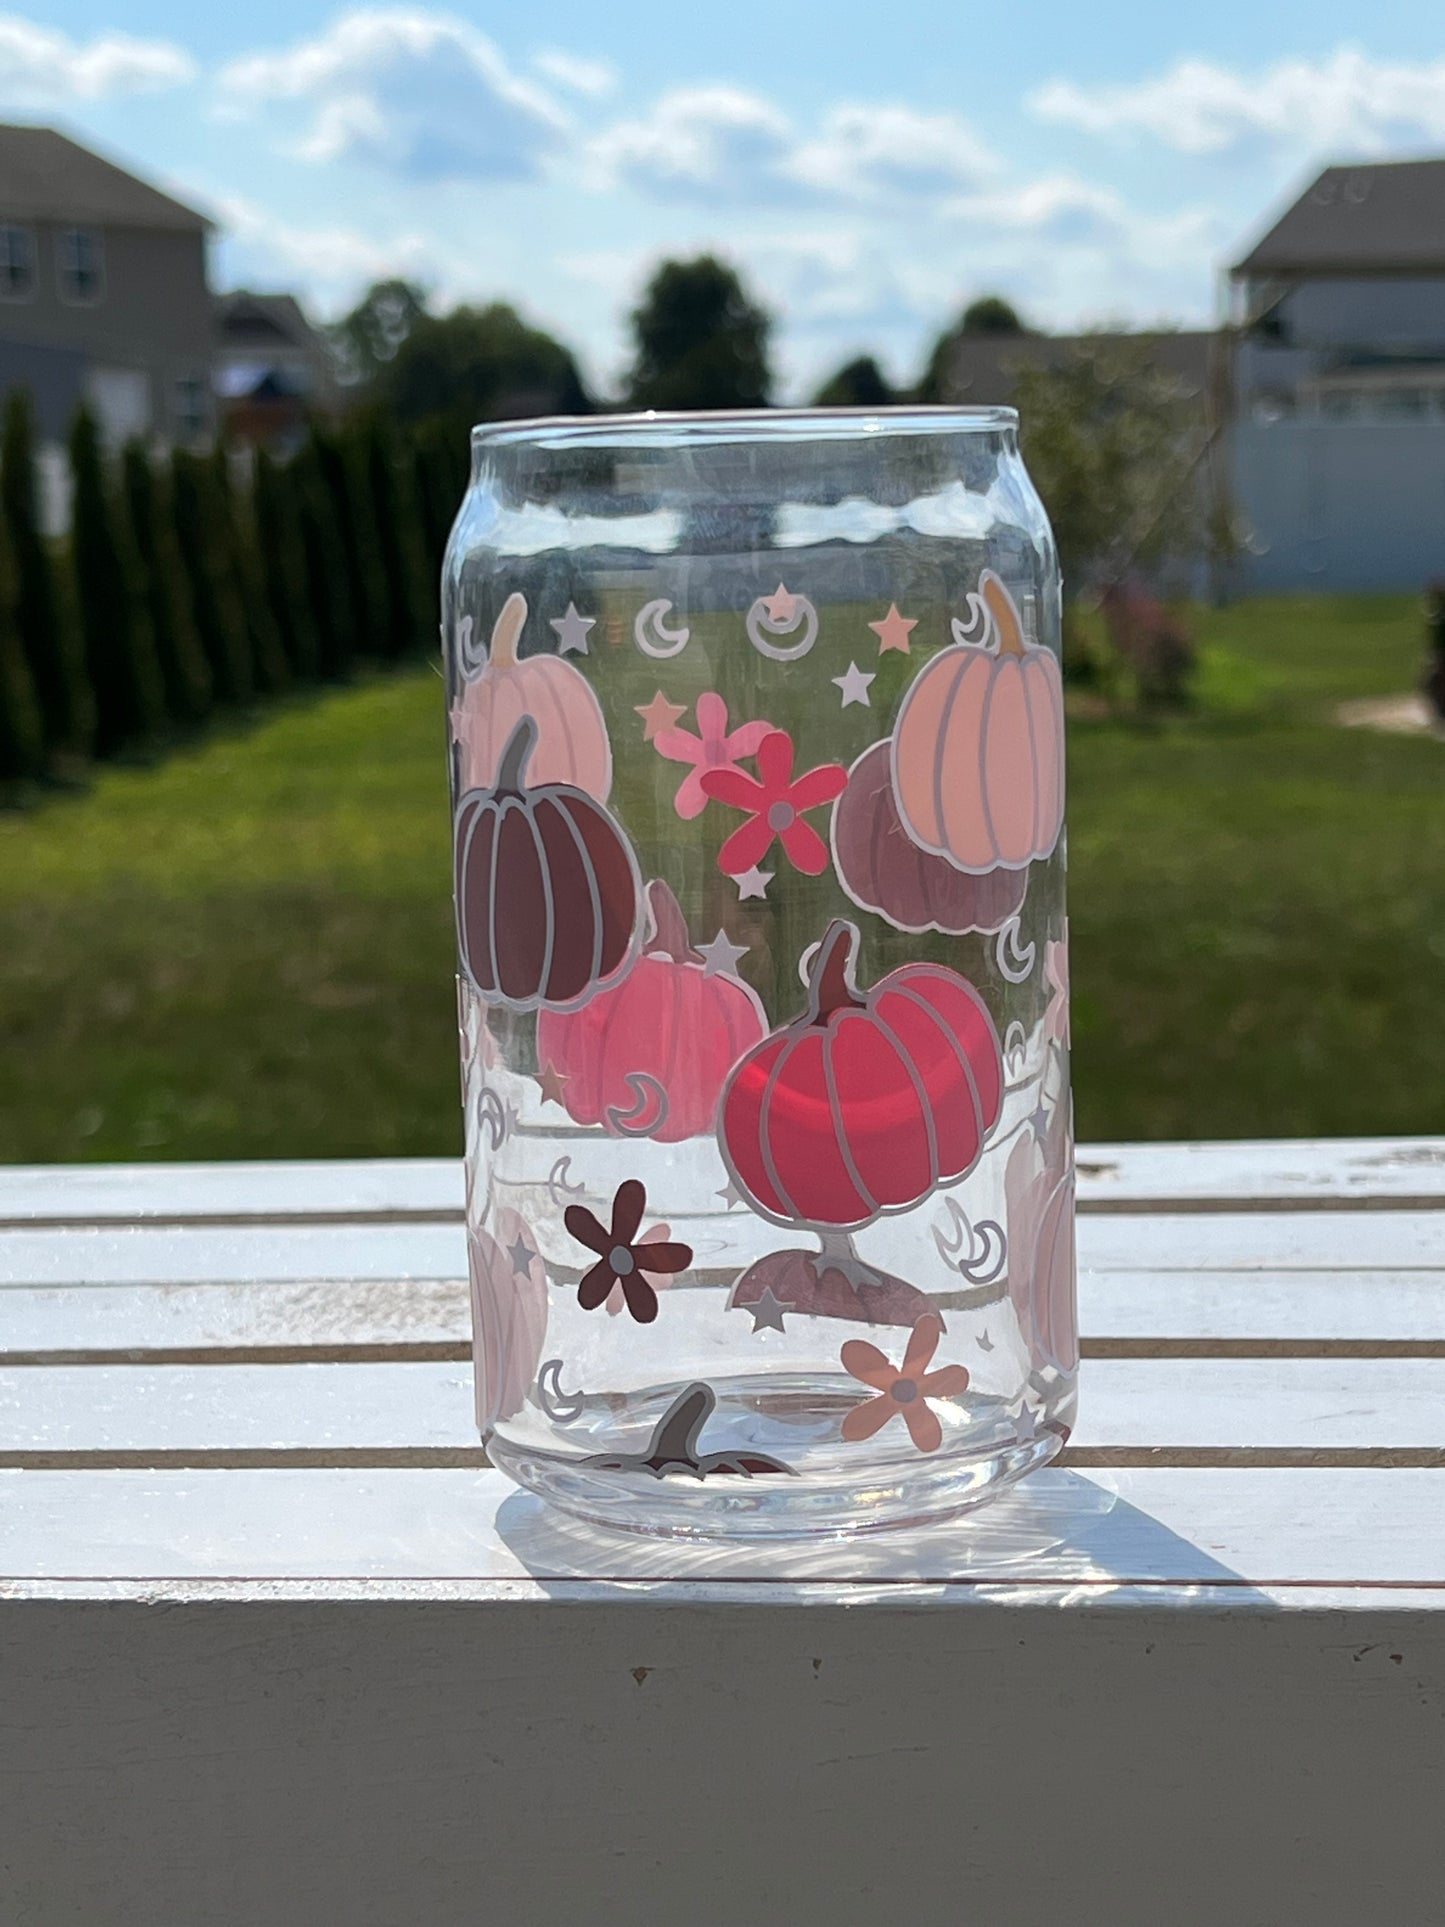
<point x="870" y="167"/>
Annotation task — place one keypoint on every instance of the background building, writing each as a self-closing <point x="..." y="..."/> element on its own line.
<point x="1338" y="431"/>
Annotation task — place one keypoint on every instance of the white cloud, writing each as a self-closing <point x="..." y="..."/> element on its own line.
<point x="721" y="143"/>
<point x="333" y="262"/>
<point x="1198" y="107"/>
<point x="39" y="67"/>
<point x="422" y="94"/>
<point x="578" y="75"/>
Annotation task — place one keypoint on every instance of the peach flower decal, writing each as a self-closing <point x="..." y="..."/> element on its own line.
<point x="715" y="748"/>
<point x="902" y="1389"/>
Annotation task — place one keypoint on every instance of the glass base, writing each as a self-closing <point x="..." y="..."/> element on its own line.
<point x="713" y="1481"/>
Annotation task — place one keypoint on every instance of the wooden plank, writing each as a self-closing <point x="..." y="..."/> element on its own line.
<point x="329" y="1410"/>
<point x="1144" y="1311"/>
<point x="1169" y="1242"/>
<point x="633" y="1759"/>
<point x="1212" y="1529"/>
<point x="1360" y="1173"/>
<point x="1313" y="1174"/>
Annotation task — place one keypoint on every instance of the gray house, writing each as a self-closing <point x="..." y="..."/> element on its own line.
<point x="1337" y="444"/>
<point x="103" y="294"/>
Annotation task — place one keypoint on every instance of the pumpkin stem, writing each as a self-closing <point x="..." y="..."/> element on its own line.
<point x="1001" y="607"/>
<point x="830" y="976"/>
<point x="669" y="926"/>
<point x="516" y="754"/>
<point x="507" y="631"/>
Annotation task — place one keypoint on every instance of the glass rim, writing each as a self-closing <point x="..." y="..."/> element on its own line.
<point x="672" y="426"/>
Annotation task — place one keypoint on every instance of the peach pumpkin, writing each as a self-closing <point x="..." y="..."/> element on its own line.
<point x="572" y="742"/>
<point x="978" y="751"/>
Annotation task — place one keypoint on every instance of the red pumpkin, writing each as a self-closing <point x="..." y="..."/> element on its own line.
<point x="831" y="1283"/>
<point x="978" y="749"/>
<point x="546" y="888"/>
<point x="509" y="1315"/>
<point x="884" y="870"/>
<point x="869" y="1101"/>
<point x="649" y="1057"/>
<point x="572" y="744"/>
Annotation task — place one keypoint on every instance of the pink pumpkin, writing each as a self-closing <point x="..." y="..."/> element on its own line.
<point x="1039" y="1194"/>
<point x="978" y="751"/>
<point x="870" y="1100"/>
<point x="649" y="1056"/>
<point x="509" y="1315"/>
<point x="572" y="743"/>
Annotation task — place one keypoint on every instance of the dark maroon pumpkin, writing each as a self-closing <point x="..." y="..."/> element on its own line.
<point x="884" y="870"/>
<point x="547" y="888"/>
<point x="831" y="1283"/>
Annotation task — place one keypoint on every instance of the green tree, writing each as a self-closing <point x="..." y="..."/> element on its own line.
<point x="701" y="341"/>
<point x="990" y="314"/>
<point x="185" y="673"/>
<point x="363" y="342"/>
<point x="401" y="541"/>
<point x="476" y="365"/>
<point x="328" y="578"/>
<point x="46" y="634"/>
<point x="440" y="465"/>
<point x="241" y="556"/>
<point x="341" y="465"/>
<point x="1114" y="443"/>
<point x="216" y="605"/>
<point x="22" y="735"/>
<point x="114" y="622"/>
<point x="283" y="557"/>
<point x="857" y="384"/>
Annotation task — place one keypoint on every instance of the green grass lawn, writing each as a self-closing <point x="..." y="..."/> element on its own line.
<point x="247" y="952"/>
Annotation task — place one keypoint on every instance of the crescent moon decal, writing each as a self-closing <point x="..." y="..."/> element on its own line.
<point x="975" y="1252"/>
<point x="471" y="657"/>
<point x="647" y="1115"/>
<point x="805" y="963"/>
<point x="761" y="624"/>
<point x="561" y="1407"/>
<point x="976" y="632"/>
<point x="652" y="635"/>
<point x="1014" y="963"/>
<point x="1015" y="1048"/>
<point x="492" y="1112"/>
<point x="558" y="1189"/>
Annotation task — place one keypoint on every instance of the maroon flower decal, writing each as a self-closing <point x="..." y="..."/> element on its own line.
<point x="775" y="806"/>
<point x="623" y="1258"/>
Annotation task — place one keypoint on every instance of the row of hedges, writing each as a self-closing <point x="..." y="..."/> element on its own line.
<point x="191" y="584"/>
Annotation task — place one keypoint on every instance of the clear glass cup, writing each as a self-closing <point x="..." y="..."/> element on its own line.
<point x="757" y="763"/>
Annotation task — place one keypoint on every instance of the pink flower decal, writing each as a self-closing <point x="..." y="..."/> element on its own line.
<point x="1056" y="975"/>
<point x="715" y="748"/>
<point x="902" y="1389"/>
<point x="775" y="802"/>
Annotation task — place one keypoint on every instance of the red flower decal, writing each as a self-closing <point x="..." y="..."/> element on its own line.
<point x="624" y="1258"/>
<point x="775" y="803"/>
<point x="713" y="748"/>
<point x="903" y="1389"/>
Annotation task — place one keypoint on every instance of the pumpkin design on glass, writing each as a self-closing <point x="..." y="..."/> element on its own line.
<point x="547" y="887"/>
<point x="624" y="1259"/>
<point x="978" y="750"/>
<point x="572" y="744"/>
<point x="775" y="801"/>
<point x="902" y="1390"/>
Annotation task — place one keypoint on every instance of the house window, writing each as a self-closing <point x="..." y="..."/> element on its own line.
<point x="192" y="417"/>
<point x="80" y="265"/>
<point x="17" y="262"/>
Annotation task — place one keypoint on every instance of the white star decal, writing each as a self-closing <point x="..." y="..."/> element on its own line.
<point x="721" y="955"/>
<point x="572" y="630"/>
<point x="753" y="883"/>
<point x="854" y="685"/>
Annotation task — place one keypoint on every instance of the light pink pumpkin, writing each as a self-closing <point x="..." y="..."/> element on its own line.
<point x="509" y="1314"/>
<point x="649" y="1056"/>
<point x="978" y="750"/>
<point x="572" y="743"/>
<point x="1039" y="1199"/>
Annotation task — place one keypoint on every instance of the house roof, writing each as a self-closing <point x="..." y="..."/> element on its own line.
<point x="259" y="321"/>
<point x="1384" y="218"/>
<point x="983" y="366"/>
<point x="46" y="176"/>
